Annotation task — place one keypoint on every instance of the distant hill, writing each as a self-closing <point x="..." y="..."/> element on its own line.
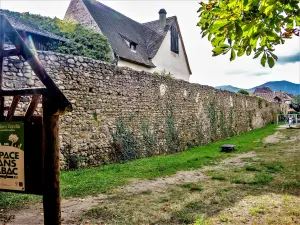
<point x="284" y="86"/>
<point x="228" y="88"/>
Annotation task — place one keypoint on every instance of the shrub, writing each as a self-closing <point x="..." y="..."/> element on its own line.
<point x="243" y="92"/>
<point x="82" y="41"/>
<point x="124" y="143"/>
<point x="171" y="132"/>
<point x="213" y="120"/>
<point x="260" y="101"/>
<point x="149" y="139"/>
<point x="71" y="160"/>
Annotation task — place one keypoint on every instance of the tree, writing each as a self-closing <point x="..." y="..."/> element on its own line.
<point x="244" y="92"/>
<point x="249" y="26"/>
<point x="296" y="103"/>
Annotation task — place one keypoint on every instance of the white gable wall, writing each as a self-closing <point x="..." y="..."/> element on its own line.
<point x="174" y="63"/>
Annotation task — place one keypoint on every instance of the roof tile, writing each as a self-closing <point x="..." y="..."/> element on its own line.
<point x="22" y="25"/>
<point x="115" y="26"/>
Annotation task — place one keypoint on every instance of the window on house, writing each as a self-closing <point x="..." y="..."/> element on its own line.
<point x="132" y="46"/>
<point x="174" y="40"/>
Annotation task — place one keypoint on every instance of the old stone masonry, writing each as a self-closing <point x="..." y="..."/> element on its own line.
<point x="121" y="114"/>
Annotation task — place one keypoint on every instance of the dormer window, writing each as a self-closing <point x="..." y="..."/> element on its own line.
<point x="174" y="40"/>
<point x="132" y="46"/>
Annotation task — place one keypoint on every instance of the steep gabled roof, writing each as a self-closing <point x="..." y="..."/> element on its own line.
<point x="283" y="95"/>
<point x="262" y="90"/>
<point x="22" y="25"/>
<point x="117" y="27"/>
<point x="268" y="96"/>
<point x="155" y="35"/>
<point x="155" y="41"/>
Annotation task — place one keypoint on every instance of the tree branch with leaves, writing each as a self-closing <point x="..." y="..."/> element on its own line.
<point x="249" y="26"/>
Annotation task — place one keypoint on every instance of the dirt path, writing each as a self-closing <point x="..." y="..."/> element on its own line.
<point x="274" y="138"/>
<point x="73" y="208"/>
<point x="181" y="177"/>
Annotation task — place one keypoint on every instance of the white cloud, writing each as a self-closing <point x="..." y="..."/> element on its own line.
<point x="206" y="69"/>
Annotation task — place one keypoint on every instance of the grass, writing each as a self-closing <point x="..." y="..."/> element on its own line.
<point x="273" y="167"/>
<point x="261" y="197"/>
<point x="218" y="177"/>
<point x="193" y="186"/>
<point x="103" y="179"/>
<point x="257" y="210"/>
<point x="252" y="168"/>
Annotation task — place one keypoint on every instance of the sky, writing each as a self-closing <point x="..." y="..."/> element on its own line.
<point x="244" y="72"/>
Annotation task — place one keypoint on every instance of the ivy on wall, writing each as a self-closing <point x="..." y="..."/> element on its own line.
<point x="124" y="142"/>
<point x="213" y="120"/>
<point x="260" y="101"/>
<point x="230" y="122"/>
<point x="223" y="126"/>
<point x="149" y="139"/>
<point x="82" y="41"/>
<point x="171" y="132"/>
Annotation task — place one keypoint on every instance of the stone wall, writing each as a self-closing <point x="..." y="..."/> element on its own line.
<point x="122" y="114"/>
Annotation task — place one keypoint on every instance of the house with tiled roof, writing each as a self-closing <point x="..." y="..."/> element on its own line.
<point x="33" y="36"/>
<point x="153" y="47"/>
<point x="272" y="96"/>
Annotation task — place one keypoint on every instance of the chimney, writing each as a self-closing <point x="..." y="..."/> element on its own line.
<point x="162" y="18"/>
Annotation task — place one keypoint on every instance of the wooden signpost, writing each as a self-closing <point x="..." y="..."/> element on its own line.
<point x="29" y="148"/>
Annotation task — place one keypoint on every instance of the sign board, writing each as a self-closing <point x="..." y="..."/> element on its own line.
<point x="12" y="174"/>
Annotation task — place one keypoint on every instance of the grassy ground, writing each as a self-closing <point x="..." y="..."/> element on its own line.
<point x="266" y="190"/>
<point x="105" y="178"/>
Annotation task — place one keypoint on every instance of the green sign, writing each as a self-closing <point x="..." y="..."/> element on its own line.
<point x="12" y="174"/>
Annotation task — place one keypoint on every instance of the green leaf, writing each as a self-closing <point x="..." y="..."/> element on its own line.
<point x="257" y="54"/>
<point x="233" y="55"/>
<point x="217" y="51"/>
<point x="253" y="40"/>
<point x="217" y="40"/>
<point x="269" y="9"/>
<point x="220" y="49"/>
<point x="204" y="34"/>
<point x="248" y="51"/>
<point x="217" y="25"/>
<point x="271" y="61"/>
<point x="224" y="46"/>
<point x="239" y="30"/>
<point x="263" y="60"/>
<point x="241" y="52"/>
<point x="225" y="51"/>
<point x="274" y="56"/>
<point x="298" y="21"/>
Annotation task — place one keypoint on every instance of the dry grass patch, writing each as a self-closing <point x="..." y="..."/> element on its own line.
<point x="274" y="209"/>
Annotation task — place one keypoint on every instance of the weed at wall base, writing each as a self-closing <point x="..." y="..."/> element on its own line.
<point x="72" y="160"/>
<point x="149" y="139"/>
<point x="171" y="131"/>
<point x="124" y="143"/>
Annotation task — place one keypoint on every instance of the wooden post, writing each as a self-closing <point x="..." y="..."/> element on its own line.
<point x="2" y="43"/>
<point x="51" y="197"/>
